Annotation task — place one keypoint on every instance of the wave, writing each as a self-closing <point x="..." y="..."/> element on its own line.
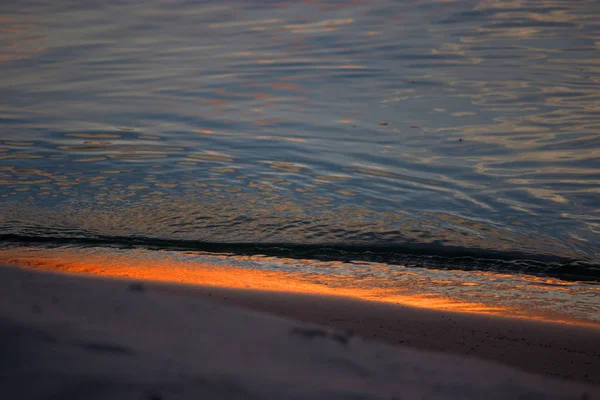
<point x="407" y="254"/>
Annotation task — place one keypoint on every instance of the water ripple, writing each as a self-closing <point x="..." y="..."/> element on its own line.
<point x="449" y="125"/>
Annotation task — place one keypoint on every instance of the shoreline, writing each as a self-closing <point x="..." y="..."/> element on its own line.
<point x="543" y="299"/>
<point x="560" y="350"/>
<point x="74" y="337"/>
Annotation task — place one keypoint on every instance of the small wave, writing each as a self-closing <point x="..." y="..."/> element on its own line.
<point x="406" y="254"/>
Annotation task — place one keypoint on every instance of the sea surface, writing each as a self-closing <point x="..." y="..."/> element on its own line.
<point x="421" y="135"/>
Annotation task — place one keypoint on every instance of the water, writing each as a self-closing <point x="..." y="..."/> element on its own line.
<point x="432" y="134"/>
<point x="475" y="291"/>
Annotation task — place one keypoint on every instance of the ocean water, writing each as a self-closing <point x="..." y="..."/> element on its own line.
<point x="433" y="135"/>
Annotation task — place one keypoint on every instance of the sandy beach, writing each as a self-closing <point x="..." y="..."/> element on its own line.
<point x="567" y="351"/>
<point x="71" y="337"/>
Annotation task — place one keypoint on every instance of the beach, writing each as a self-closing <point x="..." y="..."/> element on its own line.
<point x="566" y="351"/>
<point x="96" y="337"/>
<point x="322" y="199"/>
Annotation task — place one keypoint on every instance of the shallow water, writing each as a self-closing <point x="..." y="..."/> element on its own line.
<point x="484" y="292"/>
<point x="414" y="132"/>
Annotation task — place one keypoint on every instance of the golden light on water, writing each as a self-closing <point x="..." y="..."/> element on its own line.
<point x="413" y="291"/>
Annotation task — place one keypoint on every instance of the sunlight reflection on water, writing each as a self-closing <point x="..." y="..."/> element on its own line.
<point x="474" y="291"/>
<point x="260" y="122"/>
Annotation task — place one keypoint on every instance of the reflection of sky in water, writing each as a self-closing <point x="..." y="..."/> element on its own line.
<point x="260" y="122"/>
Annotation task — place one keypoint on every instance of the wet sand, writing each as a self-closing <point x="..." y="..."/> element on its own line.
<point x="563" y="350"/>
<point x="75" y="336"/>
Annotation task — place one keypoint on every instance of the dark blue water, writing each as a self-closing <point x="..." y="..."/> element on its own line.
<point x="463" y="134"/>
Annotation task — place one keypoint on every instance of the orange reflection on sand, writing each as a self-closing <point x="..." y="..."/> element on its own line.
<point x="139" y="266"/>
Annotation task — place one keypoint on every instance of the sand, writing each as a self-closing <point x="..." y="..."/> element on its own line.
<point x="73" y="337"/>
<point x="563" y="350"/>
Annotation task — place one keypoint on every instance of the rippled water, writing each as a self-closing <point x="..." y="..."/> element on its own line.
<point x="430" y="128"/>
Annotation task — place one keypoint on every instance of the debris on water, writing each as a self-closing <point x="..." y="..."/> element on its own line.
<point x="414" y="126"/>
<point x="383" y="123"/>
<point x="460" y="139"/>
<point x="412" y="81"/>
